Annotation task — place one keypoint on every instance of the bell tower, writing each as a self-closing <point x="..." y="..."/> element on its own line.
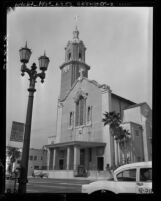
<point x="74" y="62"/>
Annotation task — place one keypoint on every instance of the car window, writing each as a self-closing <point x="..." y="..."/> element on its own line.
<point x="127" y="175"/>
<point x="146" y="174"/>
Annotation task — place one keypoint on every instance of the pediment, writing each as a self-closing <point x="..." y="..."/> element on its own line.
<point x="84" y="93"/>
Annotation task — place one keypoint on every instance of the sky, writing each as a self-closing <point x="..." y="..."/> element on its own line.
<point x="119" y="52"/>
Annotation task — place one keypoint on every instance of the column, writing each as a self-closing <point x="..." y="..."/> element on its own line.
<point x="68" y="157"/>
<point x="144" y="133"/>
<point x="119" y="158"/>
<point x="51" y="160"/>
<point x="131" y="152"/>
<point x="76" y="157"/>
<point x="116" y="152"/>
<point x="59" y="117"/>
<point x="54" y="158"/>
<point x="48" y="158"/>
<point x="106" y="107"/>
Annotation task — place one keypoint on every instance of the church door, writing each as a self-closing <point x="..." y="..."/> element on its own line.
<point x="61" y="164"/>
<point x="82" y="157"/>
<point x="100" y="163"/>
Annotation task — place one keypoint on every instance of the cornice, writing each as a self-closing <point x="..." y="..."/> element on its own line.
<point x="74" y="62"/>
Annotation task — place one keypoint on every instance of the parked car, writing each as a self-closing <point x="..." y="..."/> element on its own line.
<point x="129" y="178"/>
<point x="40" y="174"/>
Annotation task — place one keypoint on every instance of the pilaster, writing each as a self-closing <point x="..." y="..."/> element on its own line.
<point x="48" y="158"/>
<point x="58" y="123"/>
<point x="145" y="139"/>
<point x="54" y="158"/>
<point x="106" y="107"/>
<point x="76" y="157"/>
<point x="68" y="157"/>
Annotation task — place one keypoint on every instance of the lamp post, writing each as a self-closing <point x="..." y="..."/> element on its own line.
<point x="25" y="54"/>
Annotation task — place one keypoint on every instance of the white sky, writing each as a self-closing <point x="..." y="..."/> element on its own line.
<point x="119" y="51"/>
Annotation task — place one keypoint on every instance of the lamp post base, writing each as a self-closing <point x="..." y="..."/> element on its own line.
<point x="22" y="186"/>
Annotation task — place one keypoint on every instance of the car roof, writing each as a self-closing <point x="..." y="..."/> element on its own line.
<point x="131" y="165"/>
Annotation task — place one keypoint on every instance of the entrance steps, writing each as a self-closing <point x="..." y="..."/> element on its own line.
<point x="99" y="175"/>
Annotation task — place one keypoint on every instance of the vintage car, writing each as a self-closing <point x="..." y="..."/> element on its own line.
<point x="40" y="173"/>
<point x="129" y="178"/>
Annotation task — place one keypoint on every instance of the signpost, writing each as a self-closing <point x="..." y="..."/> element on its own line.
<point x="17" y="131"/>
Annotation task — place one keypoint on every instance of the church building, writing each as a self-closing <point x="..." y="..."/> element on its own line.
<point x="81" y="139"/>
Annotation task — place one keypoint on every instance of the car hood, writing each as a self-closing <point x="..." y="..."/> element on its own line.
<point x="102" y="183"/>
<point x="98" y="185"/>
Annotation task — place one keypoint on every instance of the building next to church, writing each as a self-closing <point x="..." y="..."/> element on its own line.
<point x="81" y="139"/>
<point x="37" y="160"/>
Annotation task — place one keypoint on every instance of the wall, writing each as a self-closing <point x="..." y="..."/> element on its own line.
<point x="135" y="143"/>
<point x="119" y="104"/>
<point x="51" y="139"/>
<point x="147" y="129"/>
<point x="39" y="162"/>
<point x="61" y="174"/>
<point x="65" y="81"/>
<point x="142" y="115"/>
<point x="92" y="132"/>
<point x="132" y="114"/>
<point x="111" y="102"/>
<point x="149" y="139"/>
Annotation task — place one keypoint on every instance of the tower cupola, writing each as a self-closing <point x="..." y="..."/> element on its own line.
<point x="76" y="35"/>
<point x="74" y="61"/>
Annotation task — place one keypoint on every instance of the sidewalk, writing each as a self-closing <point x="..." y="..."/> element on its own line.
<point x="92" y="175"/>
<point x="76" y="178"/>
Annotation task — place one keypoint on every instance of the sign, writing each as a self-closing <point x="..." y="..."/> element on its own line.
<point x="17" y="131"/>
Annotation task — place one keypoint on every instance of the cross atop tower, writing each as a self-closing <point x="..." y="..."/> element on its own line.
<point x="76" y="20"/>
<point x="76" y="32"/>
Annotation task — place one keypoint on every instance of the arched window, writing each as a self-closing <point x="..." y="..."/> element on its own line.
<point x="89" y="114"/>
<point x="69" y="56"/>
<point x="80" y="111"/>
<point x="71" y="119"/>
<point x="80" y="56"/>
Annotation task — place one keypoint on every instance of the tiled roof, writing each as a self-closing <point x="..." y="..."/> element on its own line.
<point x="136" y="105"/>
<point x="119" y="97"/>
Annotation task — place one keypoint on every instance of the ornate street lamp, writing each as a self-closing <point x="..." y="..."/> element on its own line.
<point x="25" y="54"/>
<point x="43" y="62"/>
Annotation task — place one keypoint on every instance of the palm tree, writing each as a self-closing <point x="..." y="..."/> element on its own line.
<point x="14" y="154"/>
<point x="120" y="135"/>
<point x="112" y="118"/>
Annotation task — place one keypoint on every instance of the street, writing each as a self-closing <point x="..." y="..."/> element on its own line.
<point x="38" y="185"/>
